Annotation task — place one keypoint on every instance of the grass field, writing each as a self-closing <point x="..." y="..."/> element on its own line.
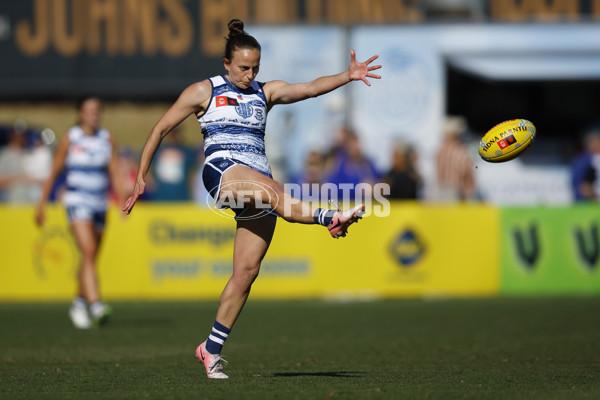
<point x="394" y="349"/>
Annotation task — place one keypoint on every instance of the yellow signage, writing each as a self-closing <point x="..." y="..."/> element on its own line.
<point x="164" y="251"/>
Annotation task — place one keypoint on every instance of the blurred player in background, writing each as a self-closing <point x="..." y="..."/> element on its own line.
<point x="232" y="110"/>
<point x="88" y="154"/>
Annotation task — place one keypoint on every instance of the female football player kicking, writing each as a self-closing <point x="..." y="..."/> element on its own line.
<point x="232" y="111"/>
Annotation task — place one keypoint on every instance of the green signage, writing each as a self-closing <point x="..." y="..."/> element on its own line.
<point x="550" y="250"/>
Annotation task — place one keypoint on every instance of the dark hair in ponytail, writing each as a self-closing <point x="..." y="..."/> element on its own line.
<point x="82" y="100"/>
<point x="238" y="39"/>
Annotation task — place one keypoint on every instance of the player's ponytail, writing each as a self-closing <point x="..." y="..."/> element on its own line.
<point x="238" y="39"/>
<point x="236" y="27"/>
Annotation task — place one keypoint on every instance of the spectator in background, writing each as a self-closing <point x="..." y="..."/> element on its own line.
<point x="201" y="196"/>
<point x="403" y="178"/>
<point x="338" y="147"/>
<point x="312" y="176"/>
<point x="173" y="170"/>
<point x="586" y="168"/>
<point x="37" y="164"/>
<point x="349" y="166"/>
<point x="455" y="178"/>
<point x="14" y="183"/>
<point x="127" y="171"/>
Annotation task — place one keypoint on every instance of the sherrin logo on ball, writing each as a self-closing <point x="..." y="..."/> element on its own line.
<point x="506" y="140"/>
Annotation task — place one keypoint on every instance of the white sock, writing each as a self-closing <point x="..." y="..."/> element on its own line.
<point x="79" y="302"/>
<point x="97" y="308"/>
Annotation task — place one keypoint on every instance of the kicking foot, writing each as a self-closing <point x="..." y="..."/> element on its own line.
<point x="343" y="219"/>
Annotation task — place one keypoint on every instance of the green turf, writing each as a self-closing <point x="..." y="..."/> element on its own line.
<point x="401" y="349"/>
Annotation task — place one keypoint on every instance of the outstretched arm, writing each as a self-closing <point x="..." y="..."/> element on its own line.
<point x="279" y="92"/>
<point x="191" y="101"/>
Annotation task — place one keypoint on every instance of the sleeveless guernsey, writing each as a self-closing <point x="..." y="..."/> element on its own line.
<point x="234" y="123"/>
<point x="87" y="169"/>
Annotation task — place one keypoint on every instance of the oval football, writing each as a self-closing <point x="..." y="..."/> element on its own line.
<point x="507" y="140"/>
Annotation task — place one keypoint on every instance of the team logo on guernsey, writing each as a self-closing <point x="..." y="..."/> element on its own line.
<point x="259" y="114"/>
<point x="221" y="101"/>
<point x="244" y="110"/>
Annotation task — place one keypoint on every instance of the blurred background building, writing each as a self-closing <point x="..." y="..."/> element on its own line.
<point x="482" y="60"/>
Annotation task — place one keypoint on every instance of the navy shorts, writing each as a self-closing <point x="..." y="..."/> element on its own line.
<point x="212" y="175"/>
<point x="82" y="213"/>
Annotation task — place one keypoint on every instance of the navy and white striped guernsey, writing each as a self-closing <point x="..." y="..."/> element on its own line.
<point x="234" y="124"/>
<point x="87" y="169"/>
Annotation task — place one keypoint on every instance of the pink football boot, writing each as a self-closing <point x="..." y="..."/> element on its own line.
<point x="212" y="362"/>
<point x="343" y="219"/>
